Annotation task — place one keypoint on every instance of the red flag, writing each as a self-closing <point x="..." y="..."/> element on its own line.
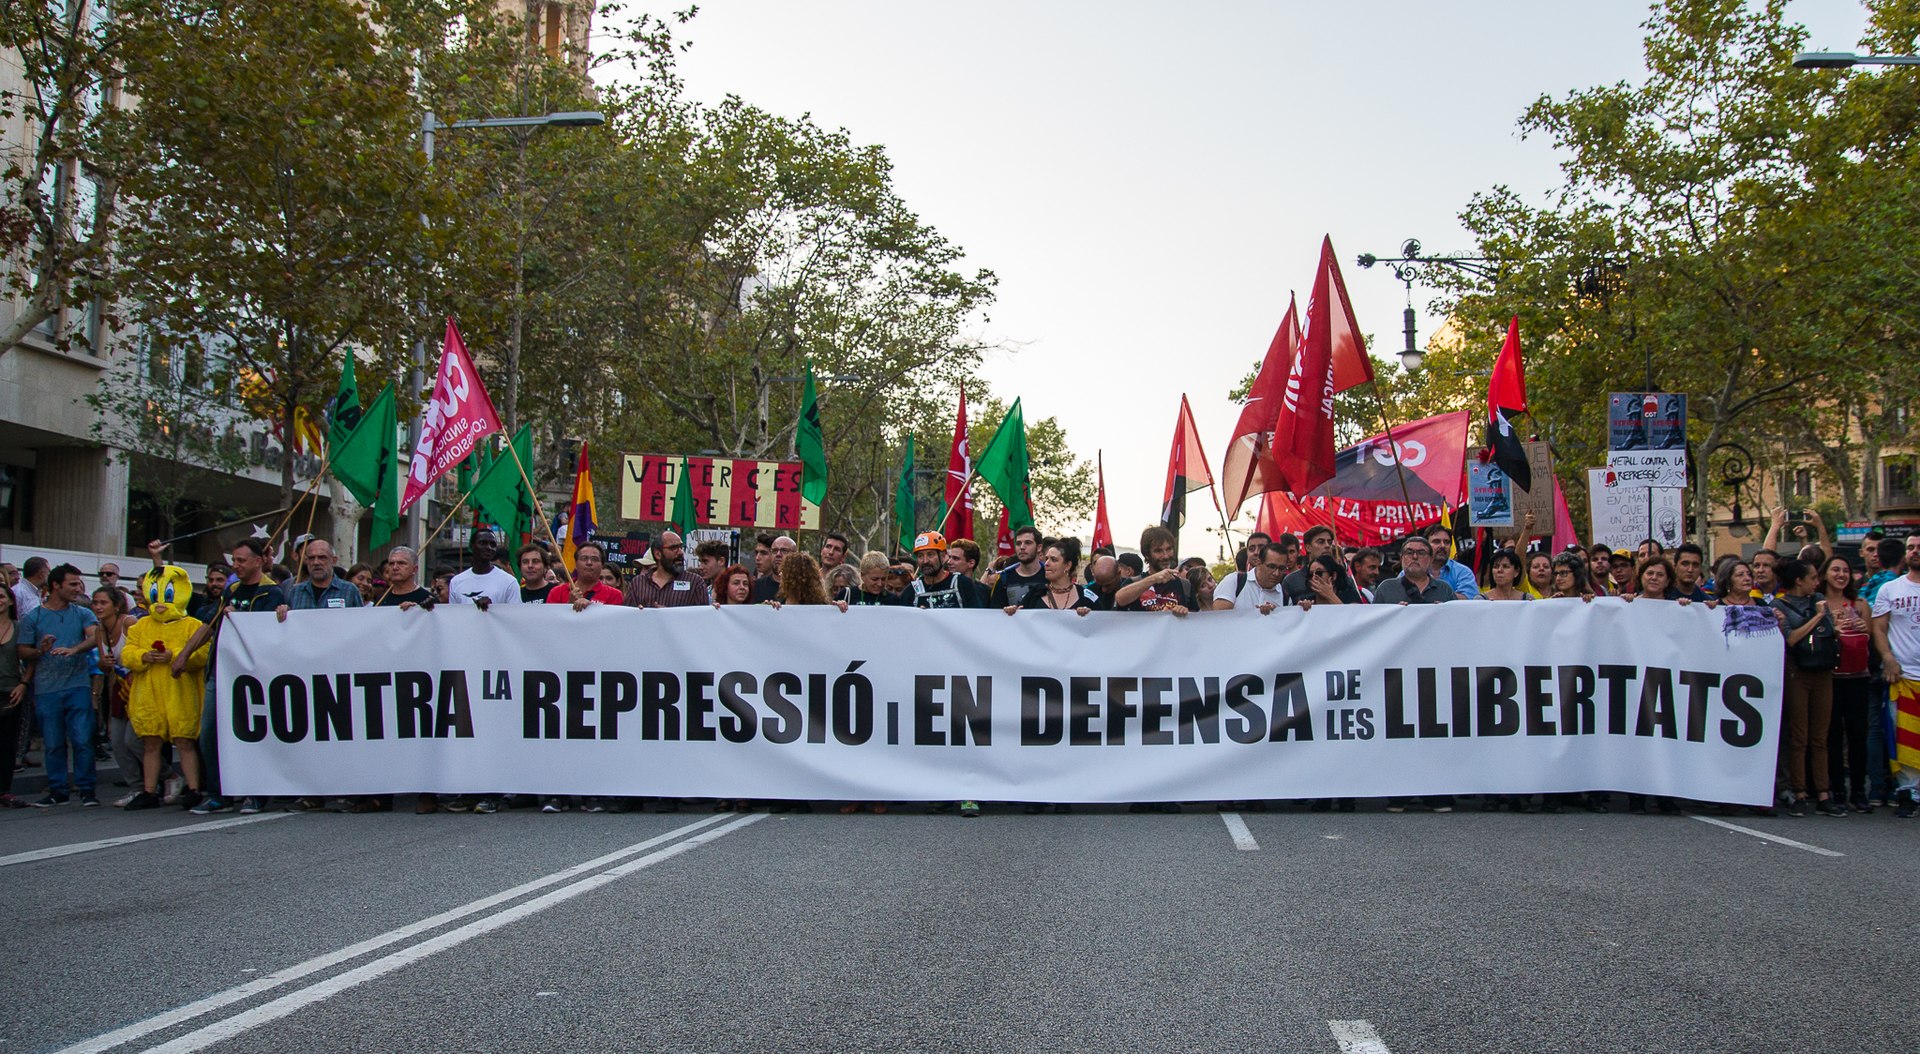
<point x="1563" y="535"/>
<point x="457" y="418"/>
<point x="1003" y="541"/>
<point x="1332" y="358"/>
<point x="1102" y="531"/>
<point x="1241" y="470"/>
<point x="959" y="473"/>
<point x="1186" y="470"/>
<point x="1506" y="401"/>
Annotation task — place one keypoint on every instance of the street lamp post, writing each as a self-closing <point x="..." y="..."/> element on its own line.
<point x="1840" y="60"/>
<point x="429" y="125"/>
<point x="1409" y="267"/>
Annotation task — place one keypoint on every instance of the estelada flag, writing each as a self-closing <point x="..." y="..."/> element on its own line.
<point x="1242" y="469"/>
<point x="1186" y="469"/>
<point x="1102" y="531"/>
<point x="1331" y="359"/>
<point x="959" y="524"/>
<point x="1506" y="401"/>
<point x="457" y="417"/>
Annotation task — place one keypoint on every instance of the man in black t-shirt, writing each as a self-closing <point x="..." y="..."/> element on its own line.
<point x="404" y="590"/>
<point x="1025" y="575"/>
<point x="938" y="588"/>
<point x="249" y="591"/>
<point x="1161" y="587"/>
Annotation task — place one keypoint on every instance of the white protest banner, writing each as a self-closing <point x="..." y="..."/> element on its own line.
<point x="897" y="704"/>
<point x="1620" y="512"/>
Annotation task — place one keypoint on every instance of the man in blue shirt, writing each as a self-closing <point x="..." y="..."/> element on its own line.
<point x="323" y="589"/>
<point x="1457" y="576"/>
<point x="56" y="638"/>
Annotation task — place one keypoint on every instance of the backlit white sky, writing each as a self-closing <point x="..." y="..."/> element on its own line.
<point x="1149" y="181"/>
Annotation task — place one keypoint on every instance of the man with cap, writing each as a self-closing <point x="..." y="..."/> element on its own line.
<point x="1620" y="569"/>
<point x="938" y="587"/>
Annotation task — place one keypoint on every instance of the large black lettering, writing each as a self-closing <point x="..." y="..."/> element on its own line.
<point x="785" y="724"/>
<point x="249" y="699"/>
<point x="1120" y="713"/>
<point x="1576" y="700"/>
<point x="1617" y="677"/>
<point x="1154" y="712"/>
<point x="1290" y="696"/>
<point x="1042" y="717"/>
<point x="700" y="707"/>
<point x="412" y="704"/>
<point x="1700" y="685"/>
<point x="1248" y="722"/>
<point x="1656" y="705"/>
<point x="580" y="703"/>
<point x="972" y="712"/>
<point x="1081" y="710"/>
<point x="1498" y="700"/>
<point x="454" y="716"/>
<point x="928" y="707"/>
<point x="740" y="722"/>
<point x="1393" y="692"/>
<point x="539" y="705"/>
<point x="1538" y="699"/>
<point x="1744" y="727"/>
<point x="1200" y="709"/>
<point x="1427" y="683"/>
<point x="332" y="707"/>
<point x="659" y="705"/>
<point x="619" y="694"/>
<point x="287" y="707"/>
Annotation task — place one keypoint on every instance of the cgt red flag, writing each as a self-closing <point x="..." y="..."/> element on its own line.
<point x="1102" y="531"/>
<point x="1506" y="401"/>
<point x="1003" y="539"/>
<point x="959" y="477"/>
<point x="1242" y="470"/>
<point x="457" y="417"/>
<point x="1331" y="359"/>
<point x="1186" y="470"/>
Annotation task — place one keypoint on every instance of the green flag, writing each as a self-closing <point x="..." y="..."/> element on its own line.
<point x="366" y="462"/>
<point x="810" y="441"/>
<point x="343" y="413"/>
<point x="1003" y="464"/>
<point x="903" y="502"/>
<point x="501" y="494"/>
<point x="682" y="517"/>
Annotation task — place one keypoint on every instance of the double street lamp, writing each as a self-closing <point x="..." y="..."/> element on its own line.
<point x="429" y="126"/>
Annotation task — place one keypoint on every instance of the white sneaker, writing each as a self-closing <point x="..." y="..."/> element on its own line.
<point x="121" y="802"/>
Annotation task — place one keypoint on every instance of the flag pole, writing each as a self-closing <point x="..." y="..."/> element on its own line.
<point x="1399" y="470"/>
<point x="539" y="512"/>
<point x="948" y="517"/>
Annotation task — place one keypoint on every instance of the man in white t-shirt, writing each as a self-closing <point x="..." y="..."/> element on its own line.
<point x="482" y="584"/>
<point x="1258" y="590"/>
<point x="1896" y="633"/>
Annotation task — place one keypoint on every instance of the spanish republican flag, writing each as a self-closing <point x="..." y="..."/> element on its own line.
<point x="580" y="518"/>
<point x="1906" y="723"/>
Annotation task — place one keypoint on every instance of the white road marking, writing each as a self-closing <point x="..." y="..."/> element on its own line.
<point x="207" y="1005"/>
<point x="55" y="852"/>
<point x="1765" y="835"/>
<point x="1357" y="1037"/>
<point x="1237" y="827"/>
<point x="273" y="1010"/>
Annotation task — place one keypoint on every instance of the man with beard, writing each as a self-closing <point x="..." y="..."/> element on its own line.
<point x="1025" y="574"/>
<point x="938" y="588"/>
<point x="668" y="583"/>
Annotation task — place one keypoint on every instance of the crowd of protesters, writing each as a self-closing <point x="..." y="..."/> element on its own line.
<point x="126" y="673"/>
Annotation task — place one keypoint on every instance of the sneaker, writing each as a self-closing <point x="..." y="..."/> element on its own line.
<point x="189" y="798"/>
<point x="553" y="805"/>
<point x="1860" y="805"/>
<point x="486" y="807"/>
<point x="969" y="808"/>
<point x="122" y="801"/>
<point x="457" y="805"/>
<point x="211" y="804"/>
<point x="1831" y="807"/>
<point x="1903" y="804"/>
<point x="50" y="801"/>
<point x="88" y="801"/>
<point x="249" y="806"/>
<point x="1396" y="806"/>
<point x="1797" y="806"/>
<point x="141" y="800"/>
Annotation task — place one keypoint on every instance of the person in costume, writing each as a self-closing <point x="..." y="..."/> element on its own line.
<point x="161" y="704"/>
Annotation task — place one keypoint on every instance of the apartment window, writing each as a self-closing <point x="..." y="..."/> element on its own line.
<point x="1899" y="472"/>
<point x="1803" y="484"/>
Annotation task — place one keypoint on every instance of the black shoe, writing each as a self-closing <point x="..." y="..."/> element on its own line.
<point x="88" y="801"/>
<point x="188" y="798"/>
<point x="1831" y="807"/>
<point x="1797" y="807"/>
<point x="144" y="800"/>
<point x="1903" y="805"/>
<point x="50" y="801"/>
<point x="1860" y="805"/>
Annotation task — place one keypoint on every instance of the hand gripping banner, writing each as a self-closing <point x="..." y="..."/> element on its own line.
<point x="900" y="704"/>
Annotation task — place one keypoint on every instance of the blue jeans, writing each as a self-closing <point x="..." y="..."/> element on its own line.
<point x="1879" y="780"/>
<point x="209" y="744"/>
<point x="66" y="719"/>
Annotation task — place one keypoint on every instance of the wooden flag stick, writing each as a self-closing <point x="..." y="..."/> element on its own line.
<point x="539" y="512"/>
<point x="1399" y="471"/>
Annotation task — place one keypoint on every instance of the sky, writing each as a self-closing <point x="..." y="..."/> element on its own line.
<point x="1151" y="181"/>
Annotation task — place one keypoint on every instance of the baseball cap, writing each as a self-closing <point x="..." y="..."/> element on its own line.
<point x="1620" y="556"/>
<point x="930" y="540"/>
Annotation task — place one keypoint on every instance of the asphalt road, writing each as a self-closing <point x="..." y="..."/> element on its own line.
<point x="1101" y="930"/>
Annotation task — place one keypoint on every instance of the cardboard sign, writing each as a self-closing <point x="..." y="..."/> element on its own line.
<point x="1620" y="512"/>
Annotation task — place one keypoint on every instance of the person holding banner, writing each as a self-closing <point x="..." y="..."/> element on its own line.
<point x="1061" y="589"/>
<point x="1257" y="589"/>
<point x="937" y="587"/>
<point x="1298" y="587"/>
<point x="586" y="589"/>
<point x="1503" y="577"/>
<point x="1807" y="705"/>
<point x="1416" y="583"/>
<point x="1896" y="635"/>
<point x="1570" y="578"/>
<point x="1654" y="581"/>
<point x="482" y="584"/>
<point x="536" y="573"/>
<point x="666" y="583"/>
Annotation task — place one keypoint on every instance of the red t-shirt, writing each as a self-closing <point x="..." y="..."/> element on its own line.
<point x="601" y="593"/>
